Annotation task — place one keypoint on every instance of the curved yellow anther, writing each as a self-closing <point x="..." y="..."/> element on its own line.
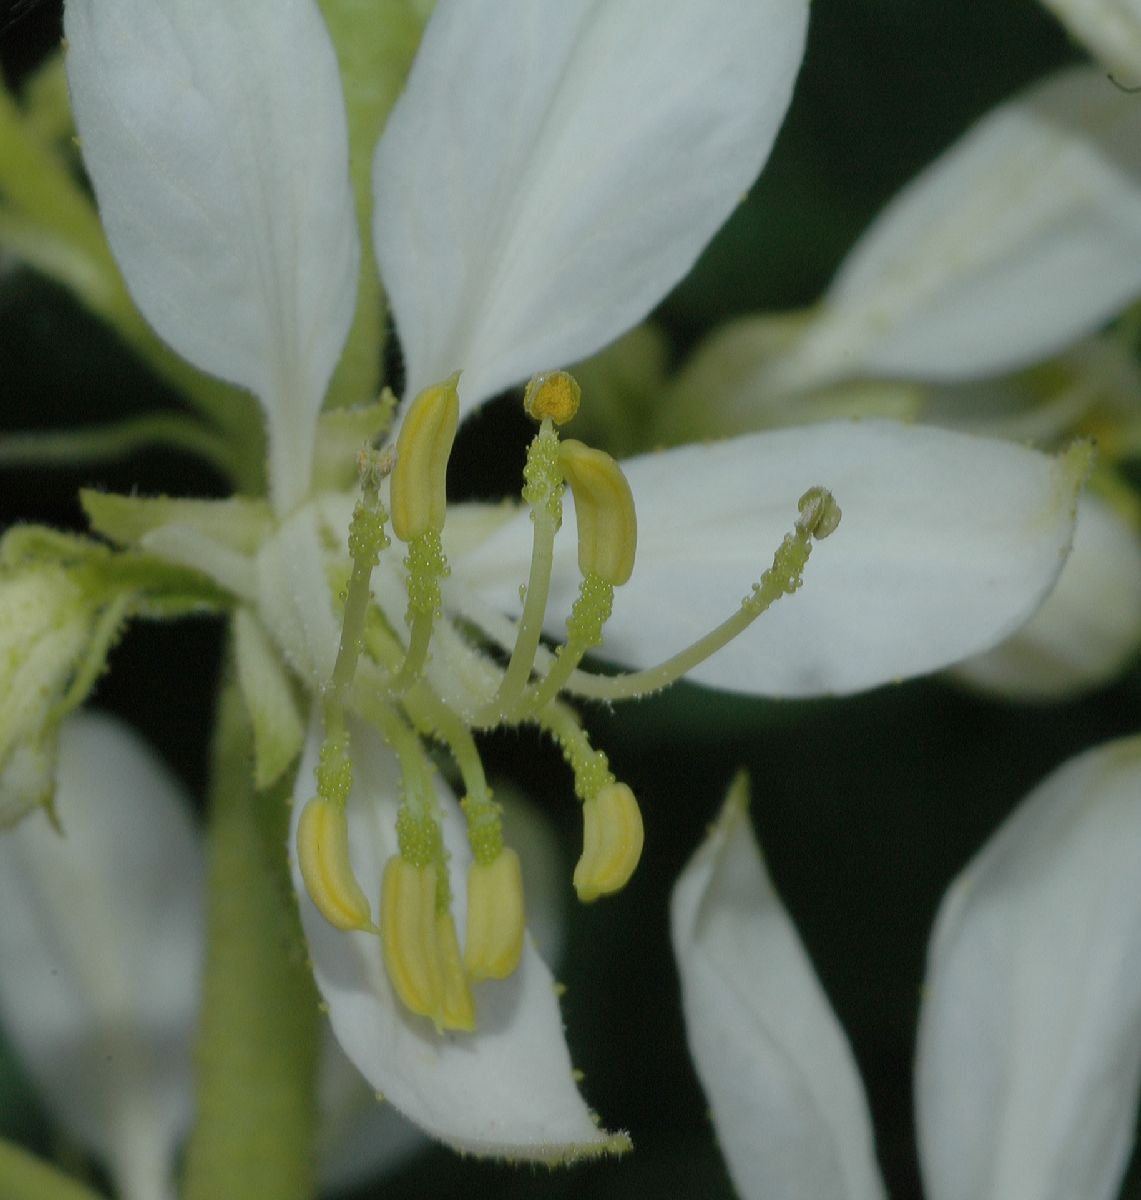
<point x="612" y="842"/>
<point x="604" y="509"/>
<point x="408" y="935"/>
<point x="457" y="1008"/>
<point x="418" y="496"/>
<point x="323" y="855"/>
<point x="554" y="396"/>
<point x="421" y="950"/>
<point x="494" y="939"/>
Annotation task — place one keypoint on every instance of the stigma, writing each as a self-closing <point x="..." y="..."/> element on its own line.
<point x="381" y="677"/>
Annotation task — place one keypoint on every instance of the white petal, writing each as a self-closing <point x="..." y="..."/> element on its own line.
<point x="1089" y="626"/>
<point x="1024" y="237"/>
<point x="555" y="166"/>
<point x="1110" y="28"/>
<point x="215" y="137"/>
<point x="1030" y="1032"/>
<point x="787" y="1103"/>
<point x="505" y="1090"/>
<point x="947" y="544"/>
<point x="100" y="937"/>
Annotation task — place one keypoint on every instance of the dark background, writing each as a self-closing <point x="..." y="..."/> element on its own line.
<point x="866" y="808"/>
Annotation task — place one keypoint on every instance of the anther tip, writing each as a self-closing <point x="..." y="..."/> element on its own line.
<point x="819" y="513"/>
<point x="553" y="395"/>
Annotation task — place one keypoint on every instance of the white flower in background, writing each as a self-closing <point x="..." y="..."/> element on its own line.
<point x="1019" y="242"/>
<point x="100" y="947"/>
<point x="1111" y="29"/>
<point x="551" y="170"/>
<point x="1029" y="1054"/>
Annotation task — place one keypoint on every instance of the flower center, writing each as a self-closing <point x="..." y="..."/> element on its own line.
<point x="384" y="678"/>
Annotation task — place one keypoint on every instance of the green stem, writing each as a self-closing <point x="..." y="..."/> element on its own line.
<point x="257" y="1046"/>
<point x="23" y="1176"/>
<point x="70" y="447"/>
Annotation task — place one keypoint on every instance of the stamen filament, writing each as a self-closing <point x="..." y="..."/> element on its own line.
<point x="584" y="629"/>
<point x="590" y="767"/>
<point x="820" y="517"/>
<point x="543" y="491"/>
<point x="426" y="566"/>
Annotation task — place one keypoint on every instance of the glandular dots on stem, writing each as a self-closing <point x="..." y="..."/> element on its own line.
<point x="428" y="970"/>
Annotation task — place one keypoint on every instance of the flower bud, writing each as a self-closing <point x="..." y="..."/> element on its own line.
<point x="46" y="623"/>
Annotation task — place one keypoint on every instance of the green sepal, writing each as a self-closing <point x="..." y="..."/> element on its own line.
<point x="240" y="523"/>
<point x="277" y="728"/>
<point x="341" y="433"/>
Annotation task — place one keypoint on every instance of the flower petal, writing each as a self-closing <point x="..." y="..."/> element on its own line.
<point x="555" y="166"/>
<point x="787" y="1103"/>
<point x="1089" y="626"/>
<point x="947" y="544"/>
<point x="215" y="137"/>
<point x="505" y="1090"/>
<point x="101" y="937"/>
<point x="1023" y="237"/>
<point x="1111" y="29"/>
<point x="1030" y="1033"/>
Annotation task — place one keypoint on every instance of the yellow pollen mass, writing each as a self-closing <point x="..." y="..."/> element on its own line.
<point x="604" y="510"/>
<point x="323" y="856"/>
<point x="418" y="495"/>
<point x="612" y="842"/>
<point x="421" y="950"/>
<point x="494" y="940"/>
<point x="457" y="1008"/>
<point x="553" y="396"/>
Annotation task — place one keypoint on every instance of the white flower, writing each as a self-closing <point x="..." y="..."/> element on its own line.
<point x="552" y="169"/>
<point x="1029" y="1054"/>
<point x="100" y="946"/>
<point x="1017" y="243"/>
<point x="1110" y="28"/>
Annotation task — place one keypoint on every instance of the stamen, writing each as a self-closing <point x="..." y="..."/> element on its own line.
<point x="323" y="856"/>
<point x="322" y="834"/>
<point x="495" y="916"/>
<point x="421" y="949"/>
<point x="604" y="510"/>
<point x="419" y="508"/>
<point x="612" y="842"/>
<point x="607" y="540"/>
<point x="419" y="478"/>
<point x="543" y="491"/>
<point x="820" y="515"/>
<point x="552" y="396"/>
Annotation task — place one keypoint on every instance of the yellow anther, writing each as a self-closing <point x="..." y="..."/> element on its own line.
<point x="408" y="935"/>
<point x="612" y="842"/>
<point x="554" y="396"/>
<point x="604" y="509"/>
<point x="323" y="854"/>
<point x="421" y="951"/>
<point x="494" y="939"/>
<point x="457" y="1009"/>
<point x="419" y="478"/>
